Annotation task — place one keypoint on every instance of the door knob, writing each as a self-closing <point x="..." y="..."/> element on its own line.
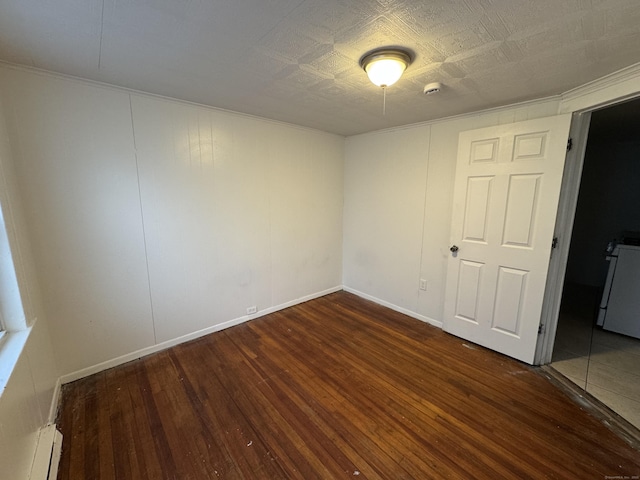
<point x="454" y="249"/>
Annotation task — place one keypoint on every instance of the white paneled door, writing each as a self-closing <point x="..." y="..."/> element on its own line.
<point x="505" y="201"/>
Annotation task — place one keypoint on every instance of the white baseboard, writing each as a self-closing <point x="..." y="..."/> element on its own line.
<point x="85" y="372"/>
<point x="384" y="303"/>
<point x="47" y="456"/>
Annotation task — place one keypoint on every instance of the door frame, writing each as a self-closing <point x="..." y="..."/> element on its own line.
<point x="567" y="204"/>
<point x="616" y="88"/>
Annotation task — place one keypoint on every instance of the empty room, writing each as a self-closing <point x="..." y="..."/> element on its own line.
<point x="315" y="239"/>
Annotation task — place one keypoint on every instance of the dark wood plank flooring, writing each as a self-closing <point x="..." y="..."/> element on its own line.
<point x="337" y="387"/>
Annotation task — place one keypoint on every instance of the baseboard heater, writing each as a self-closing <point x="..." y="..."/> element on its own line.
<point x="47" y="457"/>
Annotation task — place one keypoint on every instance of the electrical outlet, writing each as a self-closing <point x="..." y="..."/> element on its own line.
<point x="251" y="310"/>
<point x="423" y="284"/>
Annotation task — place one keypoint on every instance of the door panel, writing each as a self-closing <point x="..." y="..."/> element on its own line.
<point x="531" y="146"/>
<point x="468" y="289"/>
<point x="522" y="202"/>
<point x="477" y="209"/>
<point x="510" y="291"/>
<point x="484" y="151"/>
<point x="505" y="201"/>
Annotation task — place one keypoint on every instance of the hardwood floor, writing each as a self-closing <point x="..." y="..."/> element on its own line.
<point x="337" y="387"/>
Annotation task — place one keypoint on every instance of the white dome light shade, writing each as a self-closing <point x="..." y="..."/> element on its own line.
<point x="385" y="72"/>
<point x="385" y="67"/>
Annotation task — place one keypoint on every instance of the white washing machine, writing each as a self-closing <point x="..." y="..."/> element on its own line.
<point x="620" y="305"/>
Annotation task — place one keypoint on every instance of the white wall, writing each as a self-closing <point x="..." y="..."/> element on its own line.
<point x="385" y="180"/>
<point x="151" y="219"/>
<point x="398" y="200"/>
<point x="26" y="400"/>
<point x="76" y="167"/>
<point x="237" y="212"/>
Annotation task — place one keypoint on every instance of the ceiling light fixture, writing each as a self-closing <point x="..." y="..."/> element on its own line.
<point x="384" y="67"/>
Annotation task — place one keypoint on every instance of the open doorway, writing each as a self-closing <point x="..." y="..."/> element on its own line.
<point x="596" y="355"/>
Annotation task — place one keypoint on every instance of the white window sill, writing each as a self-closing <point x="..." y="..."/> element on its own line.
<point x="11" y="346"/>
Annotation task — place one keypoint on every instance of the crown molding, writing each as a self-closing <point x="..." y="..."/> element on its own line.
<point x="613" y="88"/>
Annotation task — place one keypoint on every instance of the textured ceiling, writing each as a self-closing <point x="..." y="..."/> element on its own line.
<point x="297" y="60"/>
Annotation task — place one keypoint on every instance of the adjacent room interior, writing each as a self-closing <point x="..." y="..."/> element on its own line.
<point x="596" y="356"/>
<point x="202" y="174"/>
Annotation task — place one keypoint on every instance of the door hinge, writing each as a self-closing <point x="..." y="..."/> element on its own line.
<point x="569" y="144"/>
<point x="554" y="242"/>
<point x="541" y="329"/>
